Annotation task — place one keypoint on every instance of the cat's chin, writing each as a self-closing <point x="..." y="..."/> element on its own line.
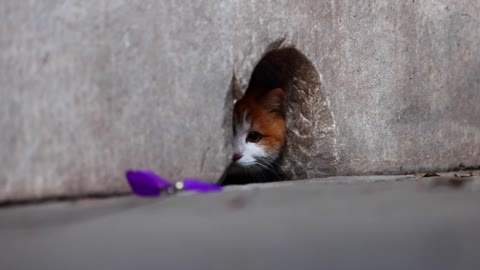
<point x="237" y="167"/>
<point x="257" y="165"/>
<point x="260" y="171"/>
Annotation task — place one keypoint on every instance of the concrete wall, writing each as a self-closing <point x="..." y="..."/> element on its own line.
<point x="91" y="88"/>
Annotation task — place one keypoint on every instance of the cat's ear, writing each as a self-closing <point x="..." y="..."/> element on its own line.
<point x="274" y="100"/>
<point x="236" y="89"/>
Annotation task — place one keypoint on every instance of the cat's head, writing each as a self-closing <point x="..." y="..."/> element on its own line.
<point x="258" y="128"/>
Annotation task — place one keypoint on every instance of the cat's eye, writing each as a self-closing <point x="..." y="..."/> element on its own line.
<point x="254" y="137"/>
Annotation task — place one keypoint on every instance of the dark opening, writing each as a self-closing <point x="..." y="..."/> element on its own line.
<point x="310" y="149"/>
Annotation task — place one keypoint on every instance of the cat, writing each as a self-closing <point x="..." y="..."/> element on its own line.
<point x="259" y="119"/>
<point x="259" y="134"/>
<point x="275" y="121"/>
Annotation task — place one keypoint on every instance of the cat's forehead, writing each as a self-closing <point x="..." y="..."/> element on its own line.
<point x="242" y="121"/>
<point x="241" y="112"/>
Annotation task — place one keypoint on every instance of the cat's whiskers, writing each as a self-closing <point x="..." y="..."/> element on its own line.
<point x="268" y="167"/>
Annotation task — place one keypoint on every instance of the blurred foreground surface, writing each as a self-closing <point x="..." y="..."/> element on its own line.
<point x="380" y="222"/>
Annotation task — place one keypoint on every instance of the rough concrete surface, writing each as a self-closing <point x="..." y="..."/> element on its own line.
<point x="90" y="88"/>
<point x="335" y="223"/>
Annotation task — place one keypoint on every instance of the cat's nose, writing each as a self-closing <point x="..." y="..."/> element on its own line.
<point x="236" y="157"/>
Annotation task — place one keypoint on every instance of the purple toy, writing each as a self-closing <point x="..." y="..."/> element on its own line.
<point x="148" y="184"/>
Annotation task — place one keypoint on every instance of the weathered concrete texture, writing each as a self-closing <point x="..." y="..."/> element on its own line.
<point x="302" y="225"/>
<point x="91" y="88"/>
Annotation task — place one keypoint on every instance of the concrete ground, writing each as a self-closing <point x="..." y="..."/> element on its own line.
<point x="377" y="222"/>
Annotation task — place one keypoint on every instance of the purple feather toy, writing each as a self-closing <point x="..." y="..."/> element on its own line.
<point x="148" y="184"/>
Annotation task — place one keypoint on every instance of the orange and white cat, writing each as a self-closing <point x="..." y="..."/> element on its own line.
<point x="258" y="127"/>
<point x="258" y="134"/>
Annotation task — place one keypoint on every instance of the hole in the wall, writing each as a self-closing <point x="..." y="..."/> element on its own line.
<point x="310" y="149"/>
